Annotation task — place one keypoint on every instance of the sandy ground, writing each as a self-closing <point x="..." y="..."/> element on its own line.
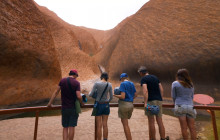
<point x="50" y="127"/>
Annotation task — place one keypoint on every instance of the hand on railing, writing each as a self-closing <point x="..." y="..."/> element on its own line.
<point x="49" y="105"/>
<point x="82" y="104"/>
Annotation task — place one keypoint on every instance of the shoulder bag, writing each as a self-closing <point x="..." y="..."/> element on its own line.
<point x="96" y="104"/>
<point x="77" y="103"/>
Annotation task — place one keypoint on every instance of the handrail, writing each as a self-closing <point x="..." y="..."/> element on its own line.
<point x="37" y="109"/>
<point x="57" y="107"/>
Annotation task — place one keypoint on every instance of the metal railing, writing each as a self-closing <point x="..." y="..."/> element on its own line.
<point x="58" y="107"/>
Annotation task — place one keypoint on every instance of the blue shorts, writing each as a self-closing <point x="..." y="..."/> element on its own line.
<point x="101" y="109"/>
<point x="69" y="117"/>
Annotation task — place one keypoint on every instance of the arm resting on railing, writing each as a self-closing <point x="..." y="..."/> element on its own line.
<point x="53" y="97"/>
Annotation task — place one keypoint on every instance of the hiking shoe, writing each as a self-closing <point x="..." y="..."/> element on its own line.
<point x="167" y="138"/>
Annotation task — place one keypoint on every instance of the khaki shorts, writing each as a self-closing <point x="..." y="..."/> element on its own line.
<point x="185" y="110"/>
<point x="125" y="109"/>
<point x="154" y="102"/>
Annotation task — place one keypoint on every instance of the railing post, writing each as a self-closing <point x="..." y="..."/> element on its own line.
<point x="214" y="124"/>
<point x="36" y="124"/>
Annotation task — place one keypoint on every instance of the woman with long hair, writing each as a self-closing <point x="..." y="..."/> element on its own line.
<point x="182" y="93"/>
<point x="101" y="110"/>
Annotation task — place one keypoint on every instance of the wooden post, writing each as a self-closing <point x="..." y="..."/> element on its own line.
<point x="36" y="125"/>
<point x="214" y="124"/>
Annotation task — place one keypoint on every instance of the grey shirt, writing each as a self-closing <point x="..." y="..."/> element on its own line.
<point x="182" y="95"/>
<point x="99" y="87"/>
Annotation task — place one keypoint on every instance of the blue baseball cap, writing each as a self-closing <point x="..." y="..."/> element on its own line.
<point x="123" y="75"/>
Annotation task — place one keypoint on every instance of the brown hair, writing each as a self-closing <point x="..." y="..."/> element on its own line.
<point x="183" y="77"/>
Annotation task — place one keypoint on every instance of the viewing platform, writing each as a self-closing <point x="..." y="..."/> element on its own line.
<point x="50" y="127"/>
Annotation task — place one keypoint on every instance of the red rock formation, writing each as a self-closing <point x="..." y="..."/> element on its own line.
<point x="29" y="67"/>
<point x="66" y="39"/>
<point x="103" y="36"/>
<point x="36" y="49"/>
<point x="166" y="36"/>
<point x="87" y="41"/>
<point x="100" y="36"/>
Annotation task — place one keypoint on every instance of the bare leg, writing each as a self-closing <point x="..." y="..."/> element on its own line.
<point x="71" y="132"/>
<point x="65" y="133"/>
<point x="161" y="127"/>
<point x="192" y="129"/>
<point x="105" y="126"/>
<point x="152" y="131"/>
<point x="96" y="129"/>
<point x="126" y="129"/>
<point x="183" y="124"/>
<point x="99" y="127"/>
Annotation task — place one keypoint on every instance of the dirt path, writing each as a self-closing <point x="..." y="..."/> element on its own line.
<point x="50" y="127"/>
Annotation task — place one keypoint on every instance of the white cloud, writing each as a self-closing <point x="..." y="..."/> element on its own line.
<point x="98" y="14"/>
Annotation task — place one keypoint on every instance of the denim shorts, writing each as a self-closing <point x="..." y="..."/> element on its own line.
<point x="101" y="109"/>
<point x="185" y="110"/>
<point x="69" y="117"/>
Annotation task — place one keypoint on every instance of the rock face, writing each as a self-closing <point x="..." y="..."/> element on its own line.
<point x="103" y="37"/>
<point x="28" y="61"/>
<point x="166" y="36"/>
<point x="37" y="49"/>
<point x="70" y="54"/>
<point x="87" y="42"/>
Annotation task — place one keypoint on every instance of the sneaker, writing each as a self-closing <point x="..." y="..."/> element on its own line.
<point x="167" y="138"/>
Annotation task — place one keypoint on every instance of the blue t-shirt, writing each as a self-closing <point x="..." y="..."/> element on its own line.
<point x="128" y="88"/>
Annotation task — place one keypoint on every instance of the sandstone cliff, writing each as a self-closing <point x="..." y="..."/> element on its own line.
<point x="166" y="35"/>
<point x="70" y="54"/>
<point x="37" y="49"/>
<point x="29" y="67"/>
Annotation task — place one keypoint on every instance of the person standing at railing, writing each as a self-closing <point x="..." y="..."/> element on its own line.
<point x="68" y="98"/>
<point x="125" y="103"/>
<point x="102" y="92"/>
<point x="153" y="92"/>
<point x="182" y="93"/>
